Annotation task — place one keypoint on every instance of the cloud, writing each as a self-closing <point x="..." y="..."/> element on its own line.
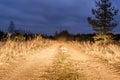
<point x="48" y="16"/>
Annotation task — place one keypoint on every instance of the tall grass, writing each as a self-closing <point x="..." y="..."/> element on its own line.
<point x="10" y="51"/>
<point x="109" y="52"/>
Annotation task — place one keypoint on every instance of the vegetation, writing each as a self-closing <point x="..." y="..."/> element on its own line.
<point x="104" y="22"/>
<point x="70" y="37"/>
<point x="12" y="51"/>
<point x="18" y="37"/>
<point x="63" y="68"/>
<point x="109" y="53"/>
<point x="105" y="39"/>
<point x="16" y="45"/>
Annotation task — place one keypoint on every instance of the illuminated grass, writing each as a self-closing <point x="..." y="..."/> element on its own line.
<point x="11" y="51"/>
<point x="109" y="52"/>
<point x="62" y="68"/>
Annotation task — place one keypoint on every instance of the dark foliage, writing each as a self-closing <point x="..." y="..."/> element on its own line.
<point x="103" y="22"/>
<point x="64" y="35"/>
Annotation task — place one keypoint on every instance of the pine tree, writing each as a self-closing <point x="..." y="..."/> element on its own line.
<point x="103" y="22"/>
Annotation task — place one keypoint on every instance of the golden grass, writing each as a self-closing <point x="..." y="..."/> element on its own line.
<point x="10" y="51"/>
<point x="109" y="52"/>
<point x="62" y="68"/>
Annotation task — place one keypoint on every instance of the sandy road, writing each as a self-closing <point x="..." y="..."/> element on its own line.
<point x="90" y="67"/>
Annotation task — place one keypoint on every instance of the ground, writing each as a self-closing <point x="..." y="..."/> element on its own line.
<point x="92" y="68"/>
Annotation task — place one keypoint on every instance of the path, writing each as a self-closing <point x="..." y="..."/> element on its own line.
<point x="90" y="67"/>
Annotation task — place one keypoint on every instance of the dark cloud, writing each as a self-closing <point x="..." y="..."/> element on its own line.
<point x="48" y="16"/>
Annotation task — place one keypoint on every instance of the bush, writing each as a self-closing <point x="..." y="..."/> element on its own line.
<point x="38" y="37"/>
<point x="103" y="38"/>
<point x="19" y="37"/>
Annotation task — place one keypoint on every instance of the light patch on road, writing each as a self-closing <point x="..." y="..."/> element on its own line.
<point x="63" y="49"/>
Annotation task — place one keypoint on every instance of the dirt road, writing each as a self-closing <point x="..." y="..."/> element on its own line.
<point x="31" y="69"/>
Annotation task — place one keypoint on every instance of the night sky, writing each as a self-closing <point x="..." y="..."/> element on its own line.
<point x="49" y="16"/>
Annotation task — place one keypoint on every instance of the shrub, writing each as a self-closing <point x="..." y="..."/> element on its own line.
<point x="19" y="38"/>
<point x="103" y="38"/>
<point x="38" y="37"/>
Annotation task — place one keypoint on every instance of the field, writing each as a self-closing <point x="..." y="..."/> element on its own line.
<point x="59" y="60"/>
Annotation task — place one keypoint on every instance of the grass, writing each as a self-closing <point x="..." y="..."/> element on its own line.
<point x="62" y="68"/>
<point x="11" y="51"/>
<point x="109" y="52"/>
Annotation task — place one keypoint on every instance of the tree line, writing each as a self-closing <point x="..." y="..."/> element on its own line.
<point x="60" y="36"/>
<point x="102" y="23"/>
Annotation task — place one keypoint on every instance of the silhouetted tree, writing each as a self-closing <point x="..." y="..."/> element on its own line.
<point x="103" y="22"/>
<point x="11" y="28"/>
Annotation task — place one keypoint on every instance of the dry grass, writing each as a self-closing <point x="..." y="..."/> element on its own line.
<point x="109" y="52"/>
<point x="62" y="68"/>
<point x="11" y="51"/>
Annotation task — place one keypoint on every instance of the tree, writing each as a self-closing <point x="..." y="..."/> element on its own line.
<point x="11" y="28"/>
<point x="103" y="22"/>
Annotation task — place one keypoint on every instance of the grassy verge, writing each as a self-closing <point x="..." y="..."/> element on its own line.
<point x="62" y="68"/>
<point x="11" y="51"/>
